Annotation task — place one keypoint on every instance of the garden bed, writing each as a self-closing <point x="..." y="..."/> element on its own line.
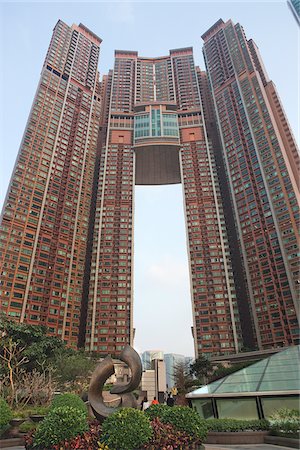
<point x="236" y="437"/>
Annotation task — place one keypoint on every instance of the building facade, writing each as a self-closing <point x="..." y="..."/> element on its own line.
<point x="262" y="164"/>
<point x="67" y="226"/>
<point x="154" y="133"/>
<point x="171" y="360"/>
<point x="45" y="219"/>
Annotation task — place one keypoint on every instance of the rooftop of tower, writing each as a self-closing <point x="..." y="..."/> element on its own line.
<point x="130" y="53"/>
<point x="87" y="30"/>
<point x="181" y="50"/>
<point x="126" y="52"/>
<point x="216" y="26"/>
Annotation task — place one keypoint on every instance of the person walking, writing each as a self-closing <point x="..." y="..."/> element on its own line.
<point x="145" y="404"/>
<point x="170" y="400"/>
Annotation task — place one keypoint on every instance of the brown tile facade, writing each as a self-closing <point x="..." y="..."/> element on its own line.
<point x="263" y="170"/>
<point x="67" y="226"/>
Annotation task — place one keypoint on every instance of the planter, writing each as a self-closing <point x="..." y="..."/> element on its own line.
<point x="14" y="430"/>
<point x="37" y="417"/>
<point x="16" y="422"/>
<point x="238" y="437"/>
<point x="284" y="441"/>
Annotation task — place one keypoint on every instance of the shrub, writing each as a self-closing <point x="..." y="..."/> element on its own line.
<point x="72" y="400"/>
<point x="102" y="446"/>
<point x="236" y="425"/>
<point x="74" y="366"/>
<point x="155" y="411"/>
<point x="88" y="440"/>
<point x="5" y="416"/>
<point x="22" y="413"/>
<point x="61" y="424"/>
<point x="286" y="421"/>
<point x="182" y="418"/>
<point x="27" y="412"/>
<point x="29" y="439"/>
<point x="40" y="411"/>
<point x="126" y="429"/>
<point x="166" y="436"/>
<point x="27" y="426"/>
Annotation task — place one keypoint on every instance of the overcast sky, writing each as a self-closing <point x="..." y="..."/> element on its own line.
<point x="162" y="305"/>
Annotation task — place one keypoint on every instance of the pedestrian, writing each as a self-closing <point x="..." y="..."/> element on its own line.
<point x="170" y="400"/>
<point x="145" y="404"/>
<point x="165" y="397"/>
<point x="154" y="402"/>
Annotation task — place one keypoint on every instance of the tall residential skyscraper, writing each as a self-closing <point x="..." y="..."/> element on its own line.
<point x="45" y="219"/>
<point x="67" y="225"/>
<point x="262" y="164"/>
<point x="154" y="132"/>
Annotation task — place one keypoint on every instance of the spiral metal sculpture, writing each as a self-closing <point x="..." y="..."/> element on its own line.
<point x="103" y="371"/>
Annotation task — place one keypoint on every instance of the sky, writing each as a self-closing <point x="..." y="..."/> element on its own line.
<point x="162" y="301"/>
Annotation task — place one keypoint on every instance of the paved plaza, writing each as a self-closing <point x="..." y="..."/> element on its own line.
<point x="245" y="447"/>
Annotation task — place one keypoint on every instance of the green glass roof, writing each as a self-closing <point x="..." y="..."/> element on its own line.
<point x="279" y="372"/>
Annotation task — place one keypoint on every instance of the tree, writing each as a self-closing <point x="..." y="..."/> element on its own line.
<point x="29" y="354"/>
<point x="26" y="372"/>
<point x="38" y="348"/>
<point x="13" y="359"/>
<point x="201" y="368"/>
<point x="183" y="381"/>
<point x="73" y="370"/>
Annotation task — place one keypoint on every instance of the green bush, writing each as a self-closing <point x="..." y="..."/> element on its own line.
<point x="89" y="440"/>
<point x="60" y="424"/>
<point x="126" y="429"/>
<point x="236" y="425"/>
<point x="27" y="426"/>
<point x="71" y="367"/>
<point x="24" y="413"/>
<point x="69" y="399"/>
<point x="285" y="421"/>
<point x="40" y="411"/>
<point x="155" y="411"/>
<point x="5" y="416"/>
<point x="182" y="418"/>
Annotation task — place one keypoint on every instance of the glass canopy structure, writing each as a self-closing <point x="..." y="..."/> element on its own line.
<point x="253" y="392"/>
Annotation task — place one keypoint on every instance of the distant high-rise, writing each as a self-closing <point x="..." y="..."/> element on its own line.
<point x="150" y="355"/>
<point x="67" y="224"/>
<point x="171" y="361"/>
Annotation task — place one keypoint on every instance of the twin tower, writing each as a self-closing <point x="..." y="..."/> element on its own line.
<point x="68" y="219"/>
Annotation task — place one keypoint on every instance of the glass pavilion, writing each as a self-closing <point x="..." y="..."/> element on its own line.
<point x="254" y="392"/>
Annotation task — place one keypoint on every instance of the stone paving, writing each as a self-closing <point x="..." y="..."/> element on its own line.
<point x="245" y="447"/>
